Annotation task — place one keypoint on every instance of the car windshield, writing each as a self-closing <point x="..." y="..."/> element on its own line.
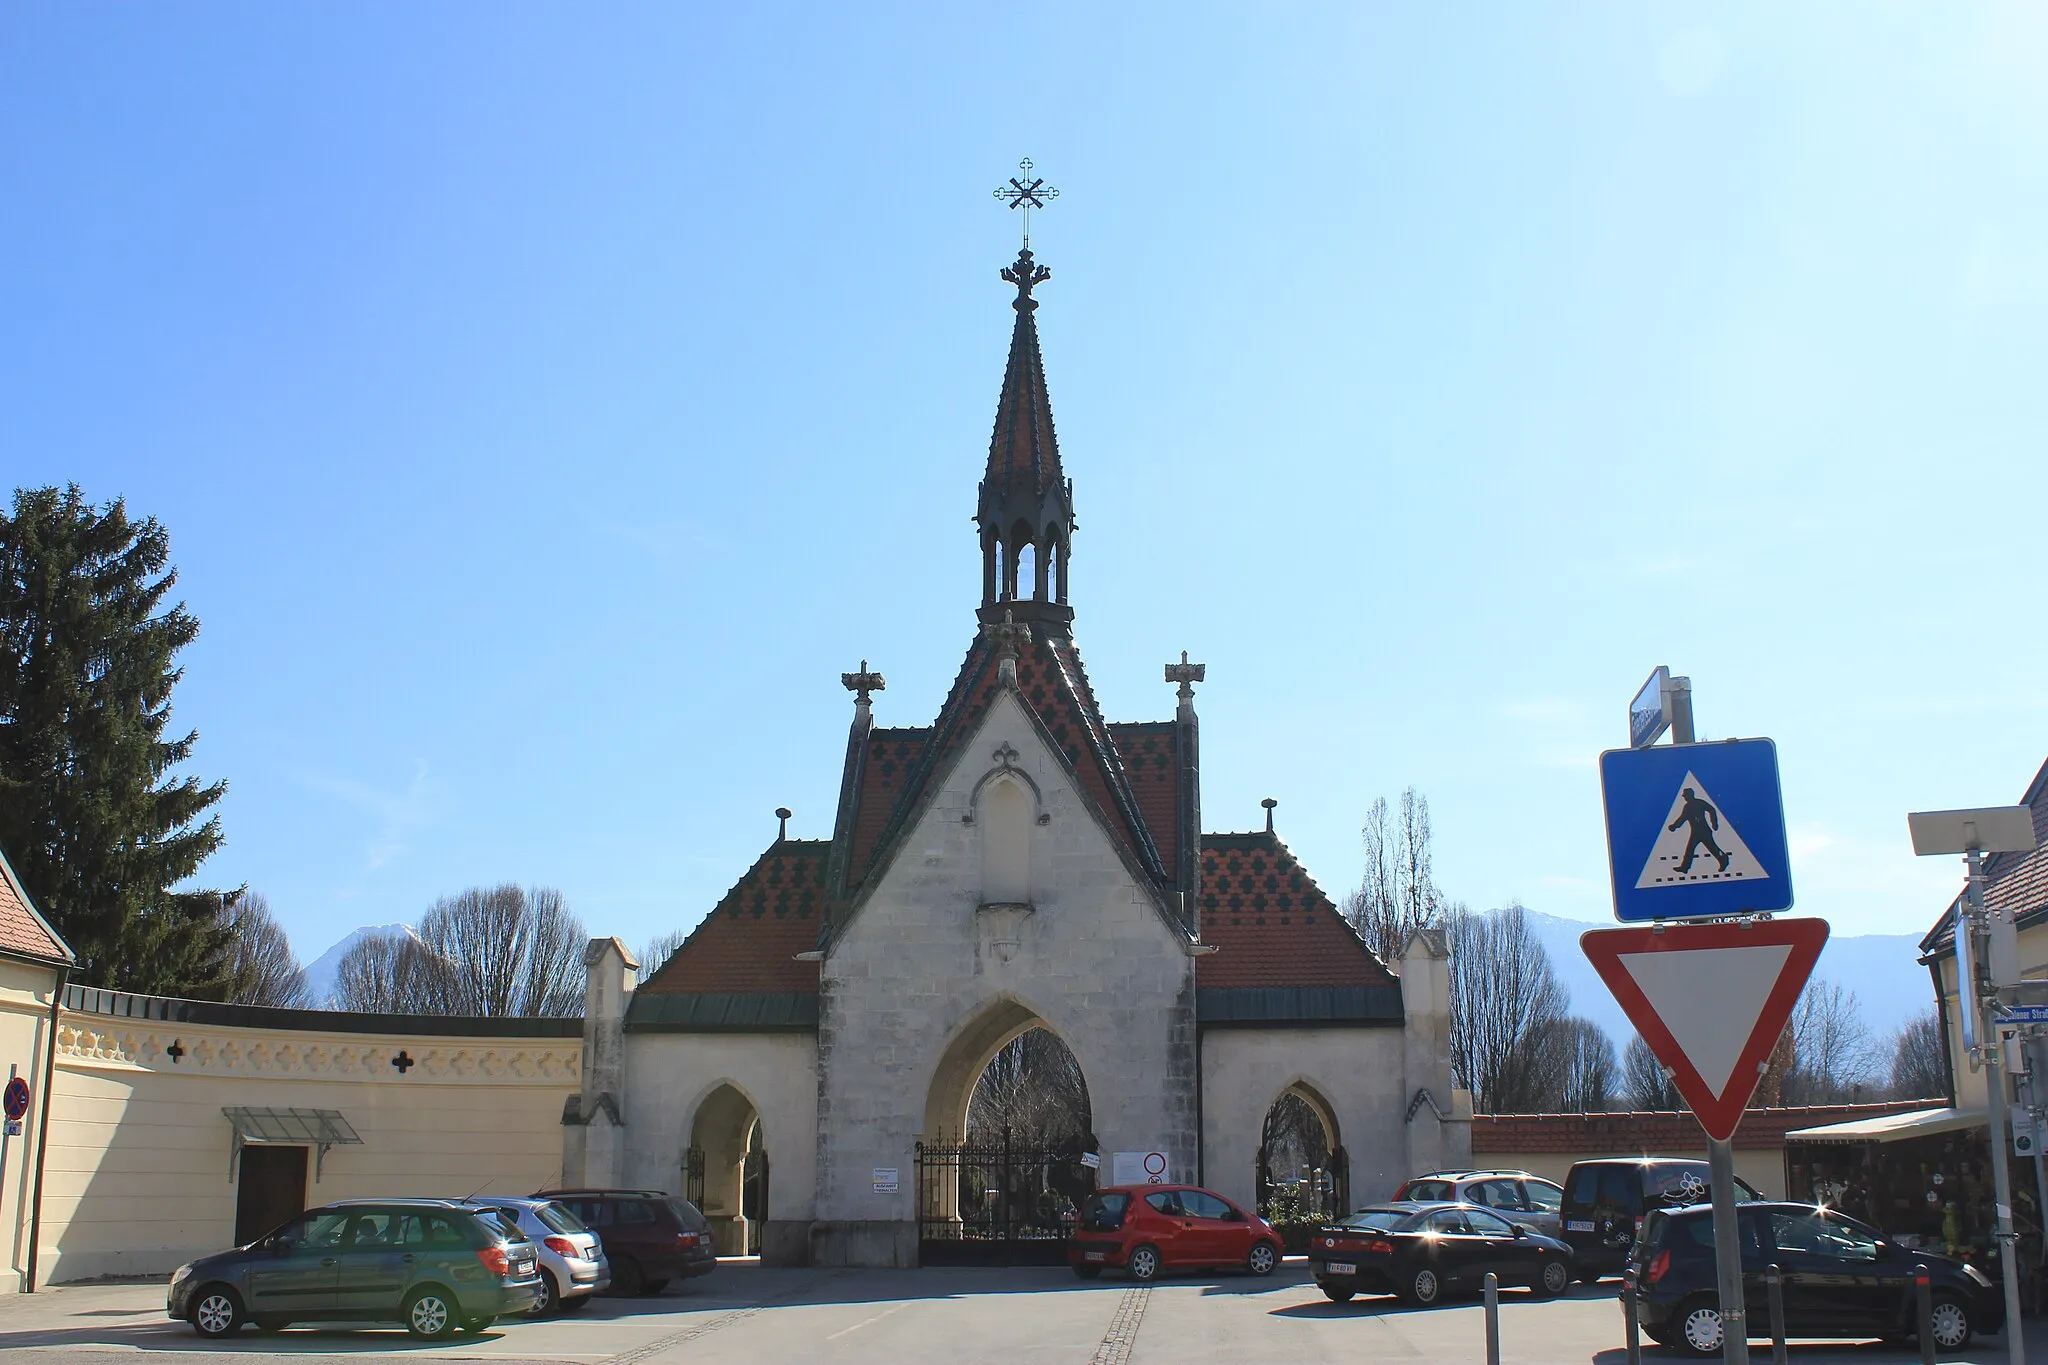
<point x="1377" y="1220"/>
<point x="1420" y="1190"/>
<point x="1104" y="1212"/>
<point x="555" y="1218"/>
<point x="689" y="1215"/>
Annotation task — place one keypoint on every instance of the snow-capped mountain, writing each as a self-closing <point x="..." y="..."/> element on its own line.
<point x="320" y="972"/>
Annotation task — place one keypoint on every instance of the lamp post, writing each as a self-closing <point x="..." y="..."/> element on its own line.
<point x="1984" y="940"/>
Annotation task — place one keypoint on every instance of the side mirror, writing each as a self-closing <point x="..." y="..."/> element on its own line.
<point x="277" y="1246"/>
<point x="1521" y="1229"/>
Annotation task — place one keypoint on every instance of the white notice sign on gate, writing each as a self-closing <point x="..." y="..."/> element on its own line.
<point x="1138" y="1168"/>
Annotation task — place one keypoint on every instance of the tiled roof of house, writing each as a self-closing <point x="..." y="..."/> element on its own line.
<point x="22" y="930"/>
<point x="1653" y="1133"/>
<point x="1150" y="750"/>
<point x="1053" y="683"/>
<point x="749" y="943"/>
<point x="2016" y="881"/>
<point x="1271" y="924"/>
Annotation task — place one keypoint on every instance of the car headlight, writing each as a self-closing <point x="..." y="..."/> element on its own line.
<point x="1978" y="1277"/>
<point x="181" y="1273"/>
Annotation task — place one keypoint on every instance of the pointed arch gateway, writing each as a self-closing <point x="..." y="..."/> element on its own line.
<point x="1000" y="1175"/>
<point x="725" y="1169"/>
<point x="1303" y="1169"/>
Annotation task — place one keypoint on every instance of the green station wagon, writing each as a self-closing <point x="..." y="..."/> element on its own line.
<point x="430" y="1264"/>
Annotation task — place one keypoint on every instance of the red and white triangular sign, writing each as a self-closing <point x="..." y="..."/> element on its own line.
<point x="1710" y="1000"/>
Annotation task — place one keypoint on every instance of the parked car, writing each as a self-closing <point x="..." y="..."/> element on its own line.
<point x="1841" y="1279"/>
<point x="431" y="1264"/>
<point x="1605" y="1200"/>
<point x="1421" y="1252"/>
<point x="572" y="1263"/>
<point x="1144" y="1229"/>
<point x="650" y="1237"/>
<point x="1516" y="1196"/>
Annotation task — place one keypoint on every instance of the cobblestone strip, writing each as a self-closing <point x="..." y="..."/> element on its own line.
<point x="710" y="1325"/>
<point x="1123" y="1328"/>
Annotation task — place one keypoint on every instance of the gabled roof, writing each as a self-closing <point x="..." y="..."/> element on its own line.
<point x="748" y="944"/>
<point x="1053" y="684"/>
<point x="1150" y="750"/>
<point x="1271" y="925"/>
<point x="2015" y="881"/>
<point x="23" y="931"/>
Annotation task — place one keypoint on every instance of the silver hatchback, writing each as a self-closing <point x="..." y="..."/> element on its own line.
<point x="1516" y="1196"/>
<point x="572" y="1263"/>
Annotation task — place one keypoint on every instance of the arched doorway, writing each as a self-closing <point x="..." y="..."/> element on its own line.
<point x="1303" y="1170"/>
<point x="1001" y="1174"/>
<point x="725" y="1170"/>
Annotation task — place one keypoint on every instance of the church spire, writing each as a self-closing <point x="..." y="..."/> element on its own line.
<point x="1025" y="513"/>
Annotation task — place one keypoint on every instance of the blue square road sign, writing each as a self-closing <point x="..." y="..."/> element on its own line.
<point x="1696" y="830"/>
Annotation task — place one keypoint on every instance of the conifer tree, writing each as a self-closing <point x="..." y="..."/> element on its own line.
<point x="91" y="815"/>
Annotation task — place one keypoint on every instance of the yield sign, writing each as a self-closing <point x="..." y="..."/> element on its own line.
<point x="1710" y="1000"/>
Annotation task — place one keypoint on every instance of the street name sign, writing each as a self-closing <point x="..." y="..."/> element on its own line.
<point x="1696" y="831"/>
<point x="2024" y="1014"/>
<point x="1649" y="715"/>
<point x="1710" y="1000"/>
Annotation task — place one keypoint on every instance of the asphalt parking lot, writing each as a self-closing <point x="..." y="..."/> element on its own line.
<point x="744" y="1315"/>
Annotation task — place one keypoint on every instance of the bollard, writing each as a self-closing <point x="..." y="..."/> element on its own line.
<point x="1774" y="1281"/>
<point x="1492" y="1318"/>
<point x="1635" y="1330"/>
<point x="1923" y="1293"/>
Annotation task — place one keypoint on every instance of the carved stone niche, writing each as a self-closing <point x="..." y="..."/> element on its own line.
<point x="1001" y="927"/>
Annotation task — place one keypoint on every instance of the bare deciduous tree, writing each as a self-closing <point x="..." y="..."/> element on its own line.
<point x="1643" y="1081"/>
<point x="1590" y="1072"/>
<point x="1399" y="893"/>
<point x="485" y="952"/>
<point x="658" y="950"/>
<point x="1832" y="1059"/>
<point x="1919" y="1061"/>
<point x="1506" y="1008"/>
<point x="1032" y="1087"/>
<point x="262" y="968"/>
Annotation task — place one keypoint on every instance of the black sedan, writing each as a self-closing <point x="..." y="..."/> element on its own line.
<point x="1422" y="1252"/>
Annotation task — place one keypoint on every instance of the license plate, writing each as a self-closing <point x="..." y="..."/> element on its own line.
<point x="1576" y="1226"/>
<point x="522" y="1267"/>
<point x="1340" y="1268"/>
<point x="1095" y="1255"/>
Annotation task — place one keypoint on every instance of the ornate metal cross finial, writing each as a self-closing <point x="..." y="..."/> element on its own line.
<point x="1027" y="192"/>
<point x="1187" y="675"/>
<point x="863" y="682"/>
<point x="1007" y="635"/>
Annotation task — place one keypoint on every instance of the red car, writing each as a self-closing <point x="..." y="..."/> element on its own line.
<point x="1145" y="1229"/>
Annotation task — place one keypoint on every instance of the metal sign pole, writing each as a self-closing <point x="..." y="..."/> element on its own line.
<point x="1970" y="996"/>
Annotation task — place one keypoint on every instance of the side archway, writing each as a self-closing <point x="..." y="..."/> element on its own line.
<point x="1303" y="1171"/>
<point x="725" y="1169"/>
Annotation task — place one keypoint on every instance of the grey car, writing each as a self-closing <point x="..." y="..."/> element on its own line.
<point x="1515" y="1195"/>
<point x="430" y="1264"/>
<point x="572" y="1263"/>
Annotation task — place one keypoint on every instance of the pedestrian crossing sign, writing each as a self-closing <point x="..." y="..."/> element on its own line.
<point x="1696" y="830"/>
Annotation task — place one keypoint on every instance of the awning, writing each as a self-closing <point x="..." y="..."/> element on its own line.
<point x="315" y="1128"/>
<point x="1892" y="1127"/>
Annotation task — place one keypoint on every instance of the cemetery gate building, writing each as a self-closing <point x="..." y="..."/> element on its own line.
<point x="803" y="1064"/>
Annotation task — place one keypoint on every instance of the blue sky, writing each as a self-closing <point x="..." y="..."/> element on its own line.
<point x="548" y="402"/>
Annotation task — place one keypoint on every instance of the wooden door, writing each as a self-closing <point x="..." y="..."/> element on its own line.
<point x="271" y="1188"/>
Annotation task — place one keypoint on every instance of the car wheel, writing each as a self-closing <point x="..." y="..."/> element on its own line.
<point x="1424" y="1287"/>
<point x="430" y="1313"/>
<point x="1699" y="1326"/>
<point x="1553" y="1277"/>
<point x="1338" y="1293"/>
<point x="626" y="1277"/>
<point x="1087" y="1272"/>
<point x="475" y="1326"/>
<point x="216" y="1312"/>
<point x="1144" y="1262"/>
<point x="1949" y="1323"/>
<point x="1263" y="1259"/>
<point x="653" y="1286"/>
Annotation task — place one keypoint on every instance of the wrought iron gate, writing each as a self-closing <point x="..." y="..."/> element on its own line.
<point x="998" y="1201"/>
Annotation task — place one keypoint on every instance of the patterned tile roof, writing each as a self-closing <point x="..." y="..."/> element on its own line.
<point x="1150" y="750"/>
<point x="749" y="943"/>
<point x="2016" y="881"/>
<point x="1054" y="684"/>
<point x="1024" y="448"/>
<point x="22" y="930"/>
<point x="1271" y="924"/>
<point x="1654" y="1133"/>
